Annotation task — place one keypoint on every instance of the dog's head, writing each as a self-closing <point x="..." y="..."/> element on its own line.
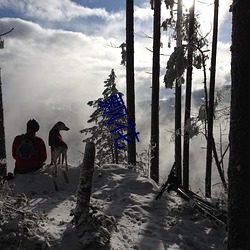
<point x="61" y="126"/>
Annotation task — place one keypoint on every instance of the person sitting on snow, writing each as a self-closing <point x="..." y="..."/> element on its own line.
<point x="29" y="150"/>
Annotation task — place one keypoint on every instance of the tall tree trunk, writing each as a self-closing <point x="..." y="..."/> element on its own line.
<point x="114" y="149"/>
<point x="130" y="78"/>
<point x="116" y="154"/>
<point x="154" y="168"/>
<point x="188" y="97"/>
<point x="3" y="161"/>
<point x="211" y="102"/>
<point x="239" y="159"/>
<point x="178" y="99"/>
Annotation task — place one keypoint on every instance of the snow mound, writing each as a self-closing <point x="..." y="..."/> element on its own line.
<point x="42" y="182"/>
<point x="142" y="222"/>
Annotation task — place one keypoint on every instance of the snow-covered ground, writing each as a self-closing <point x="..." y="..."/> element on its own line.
<point x="141" y="221"/>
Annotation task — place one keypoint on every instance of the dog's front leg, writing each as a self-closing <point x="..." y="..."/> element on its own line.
<point x="55" y="158"/>
<point x="55" y="165"/>
<point x="63" y="157"/>
<point x="51" y="155"/>
<point x="66" y="161"/>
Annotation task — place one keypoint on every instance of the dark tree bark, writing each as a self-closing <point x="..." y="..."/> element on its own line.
<point x="3" y="162"/>
<point x="81" y="215"/>
<point x="211" y="102"/>
<point x="178" y="158"/>
<point x="93" y="229"/>
<point x="154" y="168"/>
<point x="116" y="154"/>
<point x="188" y="97"/>
<point x="239" y="160"/>
<point x="130" y="78"/>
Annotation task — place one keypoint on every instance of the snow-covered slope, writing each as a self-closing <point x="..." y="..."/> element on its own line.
<point x="141" y="221"/>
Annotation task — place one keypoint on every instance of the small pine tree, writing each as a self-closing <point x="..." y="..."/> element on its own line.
<point x="106" y="149"/>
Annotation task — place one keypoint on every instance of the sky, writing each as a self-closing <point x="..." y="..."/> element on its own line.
<point x="61" y="51"/>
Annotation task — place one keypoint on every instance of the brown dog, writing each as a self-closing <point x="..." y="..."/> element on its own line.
<point x="57" y="145"/>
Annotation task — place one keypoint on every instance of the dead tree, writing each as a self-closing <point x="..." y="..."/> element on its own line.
<point x="3" y="161"/>
<point x="84" y="187"/>
<point x="211" y="103"/>
<point x="93" y="229"/>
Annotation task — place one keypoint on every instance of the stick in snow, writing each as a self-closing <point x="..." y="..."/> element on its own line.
<point x="84" y="187"/>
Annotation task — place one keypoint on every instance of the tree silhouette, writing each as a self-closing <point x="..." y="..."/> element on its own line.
<point x="130" y="78"/>
<point x="188" y="96"/>
<point x="3" y="162"/>
<point x="239" y="159"/>
<point x="210" y="138"/>
<point x="154" y="166"/>
<point x="106" y="149"/>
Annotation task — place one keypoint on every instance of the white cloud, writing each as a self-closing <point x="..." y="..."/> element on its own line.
<point x="50" y="73"/>
<point x="52" y="10"/>
<point x="143" y="13"/>
<point x="46" y="69"/>
<point x="205" y="12"/>
<point x="56" y="67"/>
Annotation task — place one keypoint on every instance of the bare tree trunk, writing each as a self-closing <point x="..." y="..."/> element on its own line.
<point x="114" y="150"/>
<point x="154" y="168"/>
<point x="3" y="161"/>
<point x="81" y="215"/>
<point x="93" y="230"/>
<point x="211" y="102"/>
<point x="130" y="78"/>
<point x="239" y="159"/>
<point x="178" y="158"/>
<point x="188" y="98"/>
<point x="216" y="158"/>
<point x="116" y="154"/>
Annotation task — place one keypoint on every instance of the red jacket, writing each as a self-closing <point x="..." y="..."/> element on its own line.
<point x="55" y="139"/>
<point x="37" y="159"/>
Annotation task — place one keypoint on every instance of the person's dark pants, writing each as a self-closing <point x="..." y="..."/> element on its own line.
<point x="25" y="171"/>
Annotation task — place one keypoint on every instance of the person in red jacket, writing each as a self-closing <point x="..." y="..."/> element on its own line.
<point x="29" y="150"/>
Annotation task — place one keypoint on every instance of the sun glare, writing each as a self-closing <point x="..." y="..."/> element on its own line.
<point x="188" y="3"/>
